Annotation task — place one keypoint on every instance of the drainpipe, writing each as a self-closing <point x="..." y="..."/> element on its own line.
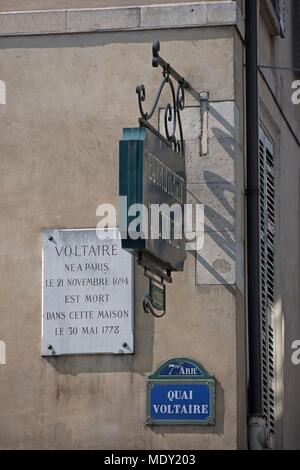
<point x="256" y="425"/>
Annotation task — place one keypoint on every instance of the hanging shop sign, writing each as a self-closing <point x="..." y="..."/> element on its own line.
<point x="87" y="293"/>
<point x="152" y="190"/>
<point x="152" y="185"/>
<point x="179" y="392"/>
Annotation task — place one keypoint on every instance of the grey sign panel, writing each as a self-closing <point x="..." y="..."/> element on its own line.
<point x="164" y="185"/>
<point x="87" y="293"/>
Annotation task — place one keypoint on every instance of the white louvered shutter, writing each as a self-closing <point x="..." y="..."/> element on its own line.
<point x="280" y="8"/>
<point x="267" y="275"/>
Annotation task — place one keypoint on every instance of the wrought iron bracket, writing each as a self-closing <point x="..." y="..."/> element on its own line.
<point x="156" y="271"/>
<point x="172" y="117"/>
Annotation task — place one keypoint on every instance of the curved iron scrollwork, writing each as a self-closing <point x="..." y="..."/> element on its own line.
<point x="158" y="273"/>
<point x="155" y="301"/>
<point x="150" y="308"/>
<point x="172" y="118"/>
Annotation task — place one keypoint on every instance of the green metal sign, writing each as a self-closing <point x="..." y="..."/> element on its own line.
<point x="158" y="296"/>
<point x="152" y="176"/>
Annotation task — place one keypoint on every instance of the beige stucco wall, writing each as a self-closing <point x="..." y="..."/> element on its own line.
<point x="275" y="51"/>
<point x="68" y="98"/>
<point x="287" y="304"/>
<point x="280" y="119"/>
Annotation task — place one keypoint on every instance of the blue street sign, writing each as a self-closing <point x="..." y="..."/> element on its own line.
<point x="181" y="392"/>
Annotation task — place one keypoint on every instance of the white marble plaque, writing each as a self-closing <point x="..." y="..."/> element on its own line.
<point x="87" y="293"/>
